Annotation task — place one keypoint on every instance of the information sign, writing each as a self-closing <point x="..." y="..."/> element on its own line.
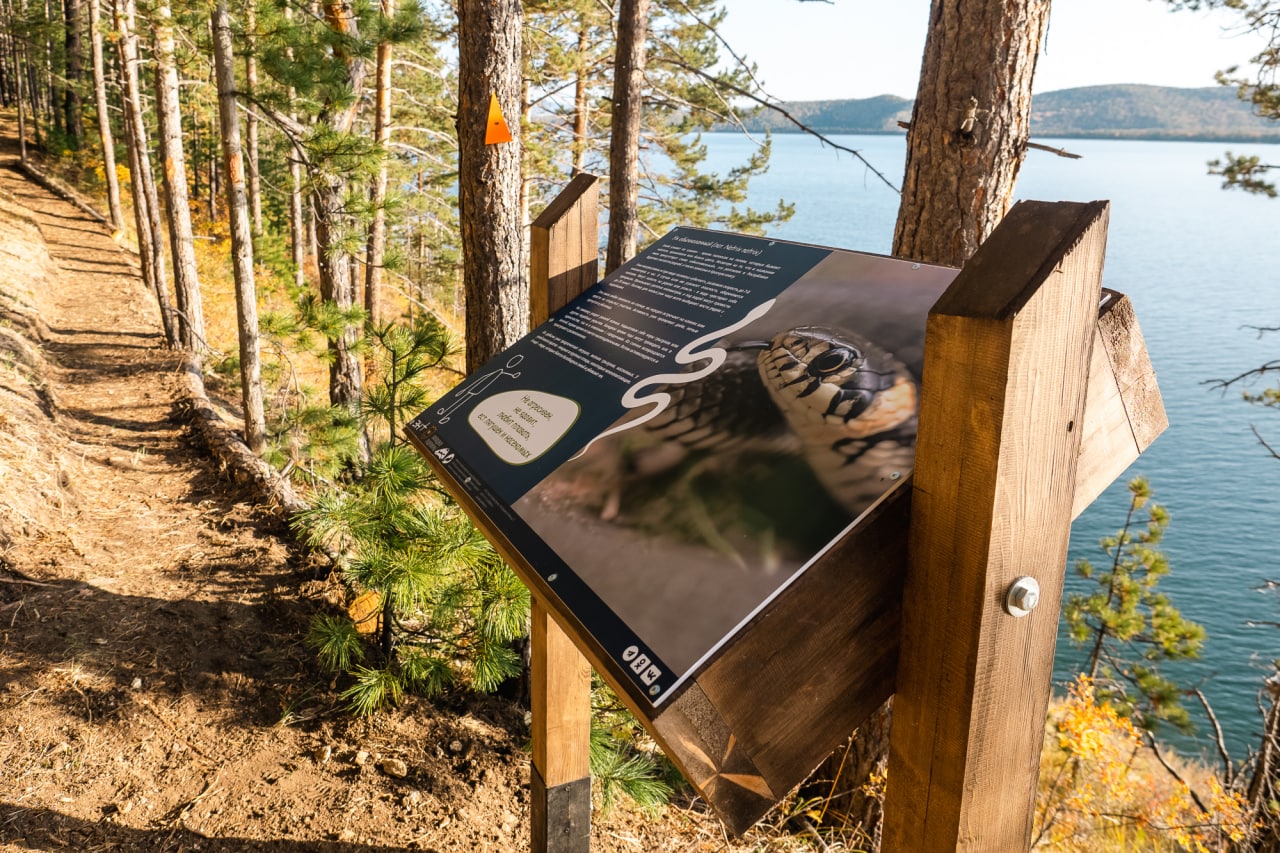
<point x="675" y="446"/>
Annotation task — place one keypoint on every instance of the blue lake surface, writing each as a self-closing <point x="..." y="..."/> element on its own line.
<point x="1201" y="266"/>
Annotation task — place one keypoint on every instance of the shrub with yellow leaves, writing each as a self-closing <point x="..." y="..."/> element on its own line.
<point x="1102" y="788"/>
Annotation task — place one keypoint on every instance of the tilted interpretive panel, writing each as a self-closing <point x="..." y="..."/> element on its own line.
<point x="673" y="448"/>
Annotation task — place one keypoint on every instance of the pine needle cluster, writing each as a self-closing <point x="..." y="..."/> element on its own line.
<point x="1128" y="625"/>
<point x="438" y="608"/>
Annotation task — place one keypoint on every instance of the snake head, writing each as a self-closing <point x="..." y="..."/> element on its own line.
<point x="823" y="377"/>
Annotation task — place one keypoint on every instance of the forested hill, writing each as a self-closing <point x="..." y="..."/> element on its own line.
<point x="1119" y="111"/>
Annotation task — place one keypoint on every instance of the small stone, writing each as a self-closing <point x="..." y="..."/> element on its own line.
<point x="137" y="684"/>
<point x="411" y="799"/>
<point x="324" y="754"/>
<point x="444" y="821"/>
<point x="347" y="836"/>
<point x="394" y="767"/>
<point x="362" y="758"/>
<point x="455" y="746"/>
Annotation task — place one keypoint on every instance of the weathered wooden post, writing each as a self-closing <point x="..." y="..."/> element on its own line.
<point x="564" y="254"/>
<point x="1007" y="360"/>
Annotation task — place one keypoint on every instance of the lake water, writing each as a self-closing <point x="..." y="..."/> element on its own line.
<point x="1200" y="265"/>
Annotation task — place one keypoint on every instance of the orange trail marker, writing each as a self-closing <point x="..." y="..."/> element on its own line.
<point x="496" y="130"/>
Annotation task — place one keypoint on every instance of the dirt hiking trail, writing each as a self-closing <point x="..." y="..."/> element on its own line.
<point x="155" y="694"/>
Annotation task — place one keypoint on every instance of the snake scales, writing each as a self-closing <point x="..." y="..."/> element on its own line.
<point x="843" y="403"/>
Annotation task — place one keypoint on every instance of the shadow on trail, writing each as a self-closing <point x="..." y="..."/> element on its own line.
<point x="223" y="627"/>
<point x="45" y="829"/>
<point x="235" y="648"/>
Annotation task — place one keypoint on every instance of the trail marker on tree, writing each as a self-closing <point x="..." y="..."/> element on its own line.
<point x="1037" y="394"/>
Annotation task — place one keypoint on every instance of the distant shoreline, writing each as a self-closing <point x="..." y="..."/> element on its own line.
<point x="1272" y="139"/>
<point x="1123" y="111"/>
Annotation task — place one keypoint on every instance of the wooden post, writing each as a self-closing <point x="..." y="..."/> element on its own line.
<point x="1007" y="355"/>
<point x="564" y="255"/>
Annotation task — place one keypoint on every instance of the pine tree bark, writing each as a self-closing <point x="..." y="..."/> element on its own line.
<point x="969" y="126"/>
<point x="104" y="117"/>
<point x="297" y="227"/>
<point x="968" y="137"/>
<point x="494" y="271"/>
<point x="18" y="63"/>
<point x="624" y="137"/>
<point x="186" y="282"/>
<point x="72" y="107"/>
<point x="145" y="201"/>
<point x="52" y="75"/>
<point x="581" y="104"/>
<point x="241" y="234"/>
<point x="251" y="121"/>
<point x="334" y="222"/>
<point x="376" y="249"/>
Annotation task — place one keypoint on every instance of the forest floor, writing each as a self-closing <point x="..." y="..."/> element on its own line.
<point x="155" y="694"/>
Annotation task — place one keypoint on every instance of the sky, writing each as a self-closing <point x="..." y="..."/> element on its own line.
<point x="861" y="48"/>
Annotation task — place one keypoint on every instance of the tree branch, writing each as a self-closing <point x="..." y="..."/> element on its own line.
<point x="1061" y="152"/>
<point x="1263" y="442"/>
<point x="1155" y="749"/>
<point x="1228" y="769"/>
<point x="767" y="102"/>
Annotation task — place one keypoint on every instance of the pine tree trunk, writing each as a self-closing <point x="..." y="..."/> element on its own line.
<point x="377" y="244"/>
<point x="581" y="105"/>
<point x="624" y="137"/>
<point x="494" y="270"/>
<point x="967" y="140"/>
<point x="241" y="236"/>
<point x="145" y="202"/>
<point x="297" y="227"/>
<point x="337" y="285"/>
<point x="969" y="125"/>
<point x="71" y="102"/>
<point x="104" y="117"/>
<point x="51" y="75"/>
<point x="251" y="121"/>
<point x="33" y="90"/>
<point x="191" y="333"/>
<point x="146" y="253"/>
<point x="22" y="111"/>
<point x="333" y="222"/>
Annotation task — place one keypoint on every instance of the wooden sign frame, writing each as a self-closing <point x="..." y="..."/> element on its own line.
<point x="824" y="654"/>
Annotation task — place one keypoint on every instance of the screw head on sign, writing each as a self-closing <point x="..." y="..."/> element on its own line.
<point x="1023" y="596"/>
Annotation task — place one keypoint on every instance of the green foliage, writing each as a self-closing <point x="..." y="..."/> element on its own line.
<point x="624" y="761"/>
<point x="1260" y="87"/>
<point x="409" y="355"/>
<point x="450" y="609"/>
<point x="374" y="689"/>
<point x="1128" y="625"/>
<point x="689" y="88"/>
<point x="336" y="642"/>
<point x="1244" y="173"/>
